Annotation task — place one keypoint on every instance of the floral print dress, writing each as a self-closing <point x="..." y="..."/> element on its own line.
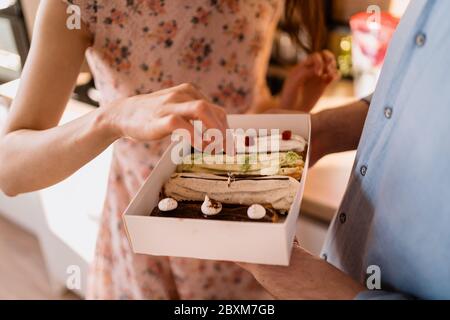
<point x="141" y="46"/>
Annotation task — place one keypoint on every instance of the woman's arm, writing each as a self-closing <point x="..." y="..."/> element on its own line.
<point x="36" y="153"/>
<point x="27" y="145"/>
<point x="308" y="80"/>
<point x="303" y="86"/>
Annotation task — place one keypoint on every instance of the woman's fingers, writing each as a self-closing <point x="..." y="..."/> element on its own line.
<point x="312" y="66"/>
<point x="213" y="117"/>
<point x="318" y="63"/>
<point x="334" y="76"/>
<point x="194" y="91"/>
<point x="191" y="103"/>
<point x="180" y="93"/>
<point x="182" y="103"/>
<point x="210" y="115"/>
<point x="166" y="125"/>
<point x="156" y="115"/>
<point x="328" y="58"/>
<point x="330" y="73"/>
<point x="187" y="92"/>
<point x="300" y="73"/>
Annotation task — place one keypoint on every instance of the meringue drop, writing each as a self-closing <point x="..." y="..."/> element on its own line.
<point x="167" y="204"/>
<point x="211" y="207"/>
<point x="256" y="212"/>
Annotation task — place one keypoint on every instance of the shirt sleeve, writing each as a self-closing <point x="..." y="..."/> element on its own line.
<point x="382" y="295"/>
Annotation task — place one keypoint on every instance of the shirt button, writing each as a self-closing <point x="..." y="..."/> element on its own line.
<point x="342" y="217"/>
<point x="363" y="170"/>
<point x="421" y="39"/>
<point x="388" y="112"/>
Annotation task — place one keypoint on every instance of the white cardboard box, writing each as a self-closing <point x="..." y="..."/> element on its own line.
<point x="252" y="242"/>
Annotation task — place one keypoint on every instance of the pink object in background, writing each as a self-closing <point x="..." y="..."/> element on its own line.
<point x="371" y="35"/>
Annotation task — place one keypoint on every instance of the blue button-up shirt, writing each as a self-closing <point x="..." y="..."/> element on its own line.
<point x="396" y="211"/>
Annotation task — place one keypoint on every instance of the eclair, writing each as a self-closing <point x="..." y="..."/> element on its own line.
<point x="275" y="191"/>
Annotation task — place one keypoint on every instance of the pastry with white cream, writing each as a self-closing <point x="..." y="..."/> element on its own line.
<point x="253" y="187"/>
<point x="275" y="191"/>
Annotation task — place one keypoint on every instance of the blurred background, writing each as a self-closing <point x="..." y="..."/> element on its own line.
<point x="45" y="235"/>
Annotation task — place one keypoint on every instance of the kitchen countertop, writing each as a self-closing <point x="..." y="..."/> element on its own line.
<point x="327" y="180"/>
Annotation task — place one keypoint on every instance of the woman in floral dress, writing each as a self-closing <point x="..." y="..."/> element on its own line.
<point x="135" y="49"/>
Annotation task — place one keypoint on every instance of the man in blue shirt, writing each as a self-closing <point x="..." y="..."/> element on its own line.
<point x="394" y="220"/>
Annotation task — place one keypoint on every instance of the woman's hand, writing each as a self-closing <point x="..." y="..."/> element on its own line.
<point x="56" y="152"/>
<point x="156" y="115"/>
<point x="308" y="80"/>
